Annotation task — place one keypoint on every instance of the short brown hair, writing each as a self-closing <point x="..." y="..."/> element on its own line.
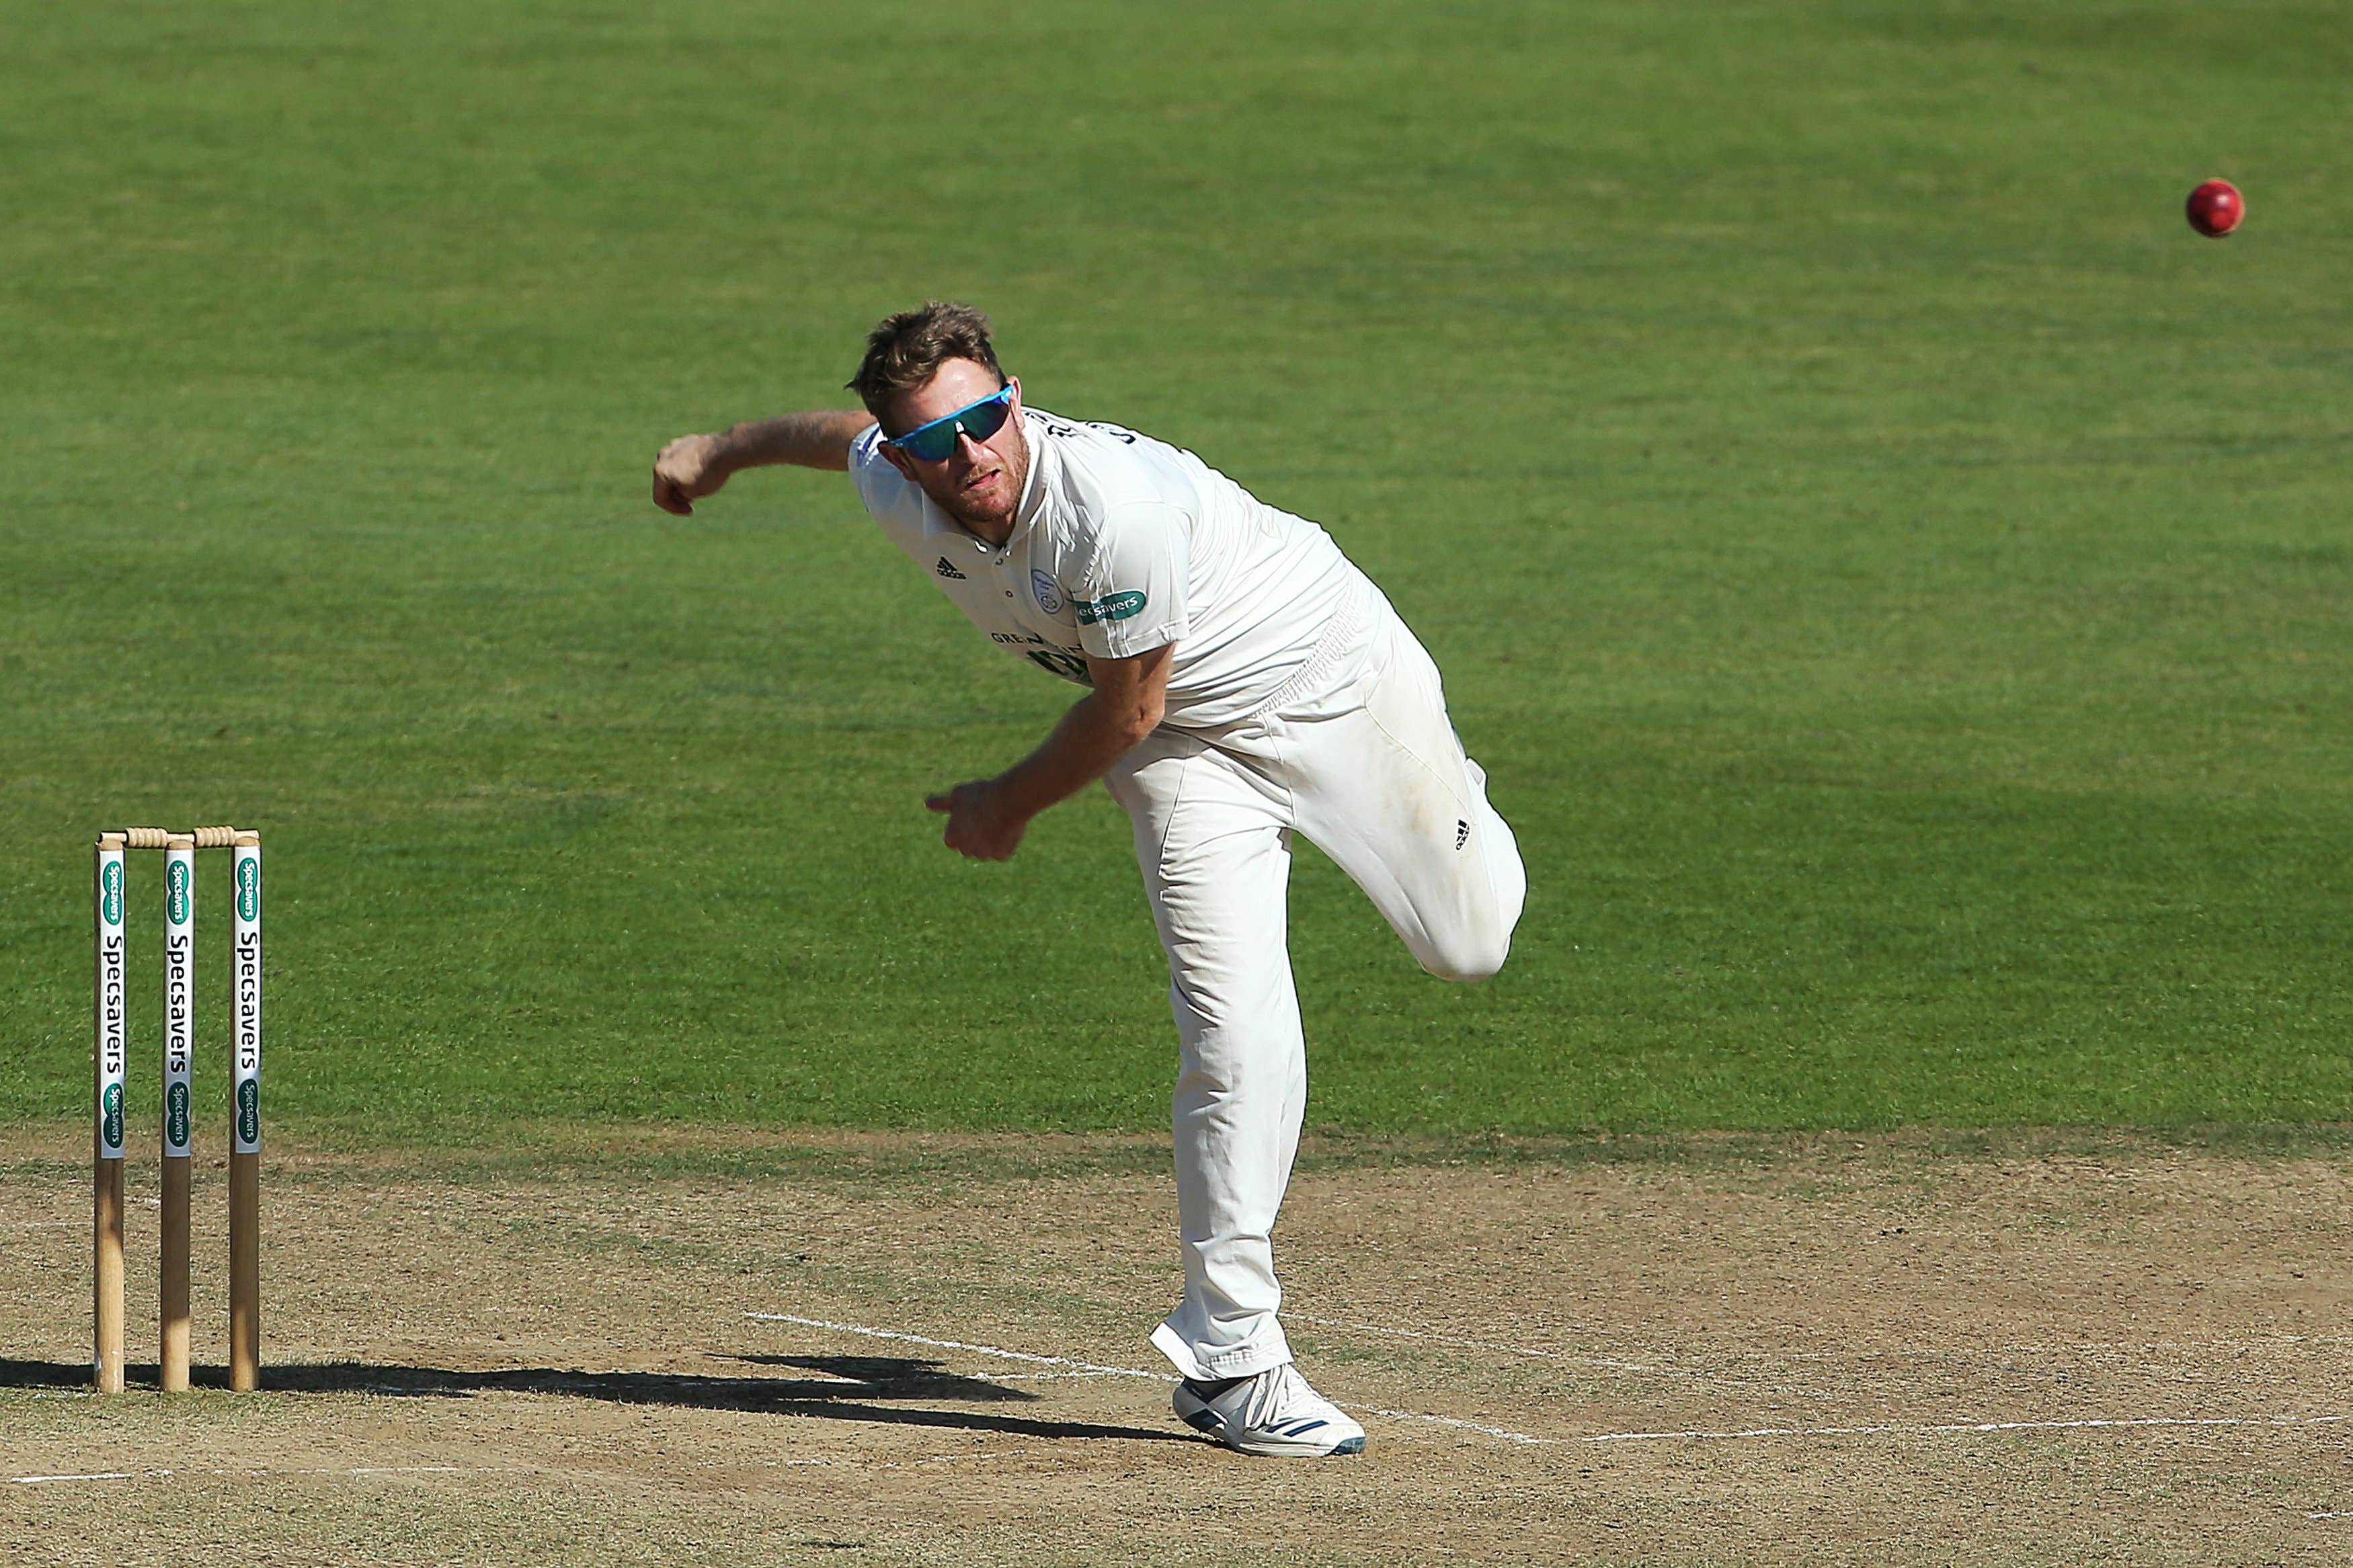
<point x="905" y="350"/>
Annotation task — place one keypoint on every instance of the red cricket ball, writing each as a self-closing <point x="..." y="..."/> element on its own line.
<point x="2216" y="207"/>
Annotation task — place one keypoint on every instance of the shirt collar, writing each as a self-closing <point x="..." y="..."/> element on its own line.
<point x="1033" y="492"/>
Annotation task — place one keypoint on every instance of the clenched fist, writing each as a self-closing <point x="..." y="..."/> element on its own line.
<point x="981" y="824"/>
<point x="687" y="470"/>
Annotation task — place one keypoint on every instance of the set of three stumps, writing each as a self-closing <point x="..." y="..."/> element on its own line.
<point x="111" y="1053"/>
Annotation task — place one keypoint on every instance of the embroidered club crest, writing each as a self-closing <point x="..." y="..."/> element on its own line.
<point x="1048" y="591"/>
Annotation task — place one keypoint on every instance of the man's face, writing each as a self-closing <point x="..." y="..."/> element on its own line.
<point x="980" y="482"/>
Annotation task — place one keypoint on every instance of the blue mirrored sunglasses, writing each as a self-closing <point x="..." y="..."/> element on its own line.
<point x="979" y="420"/>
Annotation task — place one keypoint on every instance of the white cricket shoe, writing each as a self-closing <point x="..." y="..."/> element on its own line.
<point x="1274" y="1413"/>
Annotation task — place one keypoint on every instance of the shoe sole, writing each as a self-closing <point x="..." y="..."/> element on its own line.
<point x="1345" y="1446"/>
<point x="1206" y="1421"/>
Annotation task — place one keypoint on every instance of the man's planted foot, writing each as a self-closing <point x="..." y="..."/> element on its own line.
<point x="1273" y="1412"/>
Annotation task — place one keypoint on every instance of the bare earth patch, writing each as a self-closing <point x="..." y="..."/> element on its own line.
<point x="722" y="1349"/>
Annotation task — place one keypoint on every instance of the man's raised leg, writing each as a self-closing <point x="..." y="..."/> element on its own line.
<point x="1385" y="790"/>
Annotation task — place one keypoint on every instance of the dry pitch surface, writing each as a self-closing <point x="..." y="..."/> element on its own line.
<point x="1827" y="1351"/>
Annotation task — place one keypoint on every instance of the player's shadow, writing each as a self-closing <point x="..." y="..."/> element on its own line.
<point x="848" y="1388"/>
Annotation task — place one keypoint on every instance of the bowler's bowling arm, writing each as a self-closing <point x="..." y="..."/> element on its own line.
<point x="694" y="466"/>
<point x="986" y="818"/>
<point x="1126" y="704"/>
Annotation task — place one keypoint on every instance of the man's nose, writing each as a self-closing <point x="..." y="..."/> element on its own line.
<point x="968" y="451"/>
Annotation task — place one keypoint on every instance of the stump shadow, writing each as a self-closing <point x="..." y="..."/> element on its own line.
<point x="847" y="1388"/>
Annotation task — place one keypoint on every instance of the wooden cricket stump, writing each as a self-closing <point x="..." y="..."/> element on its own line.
<point x="244" y="1121"/>
<point x="172" y="1358"/>
<point x="245" y="1272"/>
<point x="179" y="1102"/>
<point x="106" y="1274"/>
<point x="109" y="1049"/>
<point x="110" y="1057"/>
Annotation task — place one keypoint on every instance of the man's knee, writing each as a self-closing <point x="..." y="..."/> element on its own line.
<point x="1466" y="956"/>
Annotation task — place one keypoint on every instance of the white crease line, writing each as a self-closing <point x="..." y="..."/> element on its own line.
<point x="1959" y="1427"/>
<point x="1505" y="1433"/>
<point x="1476" y="1344"/>
<point x="1734" y="1376"/>
<point x="1721" y="1379"/>
<point x="265" y="1470"/>
<point x="1089" y="1368"/>
<point x="2122" y="1347"/>
<point x="2340" y="1515"/>
<point x="960" y="1345"/>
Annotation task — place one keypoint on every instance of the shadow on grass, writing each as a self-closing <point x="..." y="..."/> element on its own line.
<point x="848" y="1389"/>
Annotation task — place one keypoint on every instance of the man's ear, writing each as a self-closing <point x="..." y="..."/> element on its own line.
<point x="898" y="460"/>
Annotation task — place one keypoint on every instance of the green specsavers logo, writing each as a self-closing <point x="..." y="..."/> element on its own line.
<point x="111" y="892"/>
<point x="177" y="893"/>
<point x="176" y="1116"/>
<point x="1110" y="608"/>
<point x="248" y="1111"/>
<point x="248" y="889"/>
<point x="109" y="1113"/>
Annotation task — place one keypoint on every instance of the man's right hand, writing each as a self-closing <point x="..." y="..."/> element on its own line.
<point x="687" y="470"/>
<point x="694" y="466"/>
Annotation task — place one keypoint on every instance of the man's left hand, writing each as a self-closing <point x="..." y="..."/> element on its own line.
<point x="981" y="826"/>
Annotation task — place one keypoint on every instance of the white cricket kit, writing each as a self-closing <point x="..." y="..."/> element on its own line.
<point x="1125" y="544"/>
<point x="1297" y="701"/>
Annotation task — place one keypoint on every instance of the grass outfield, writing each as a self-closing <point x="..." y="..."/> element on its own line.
<point x="1895" y="573"/>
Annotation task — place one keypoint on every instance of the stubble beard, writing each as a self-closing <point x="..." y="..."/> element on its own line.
<point x="1016" y="475"/>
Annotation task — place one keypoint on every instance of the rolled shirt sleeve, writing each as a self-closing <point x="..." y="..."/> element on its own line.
<point x="1128" y="588"/>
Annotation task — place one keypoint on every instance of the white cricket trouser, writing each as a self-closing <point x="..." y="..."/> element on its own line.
<point x="1355" y="752"/>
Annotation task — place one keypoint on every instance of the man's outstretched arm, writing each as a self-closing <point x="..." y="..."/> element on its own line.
<point x="986" y="818"/>
<point x="694" y="466"/>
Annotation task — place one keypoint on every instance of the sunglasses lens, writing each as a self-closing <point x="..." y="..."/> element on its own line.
<point x="934" y="441"/>
<point x="988" y="419"/>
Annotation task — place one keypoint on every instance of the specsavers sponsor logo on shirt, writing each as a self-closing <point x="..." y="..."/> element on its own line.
<point x="1110" y="608"/>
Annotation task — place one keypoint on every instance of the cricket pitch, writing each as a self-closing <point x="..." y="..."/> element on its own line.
<point x="2020" y="1349"/>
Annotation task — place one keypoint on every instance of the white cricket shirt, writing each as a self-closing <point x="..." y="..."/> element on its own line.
<point x="1125" y="545"/>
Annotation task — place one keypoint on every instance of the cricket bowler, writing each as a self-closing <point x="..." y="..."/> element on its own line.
<point x="1242" y="682"/>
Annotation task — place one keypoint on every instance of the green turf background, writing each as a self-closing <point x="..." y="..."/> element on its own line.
<point x="1896" y="574"/>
